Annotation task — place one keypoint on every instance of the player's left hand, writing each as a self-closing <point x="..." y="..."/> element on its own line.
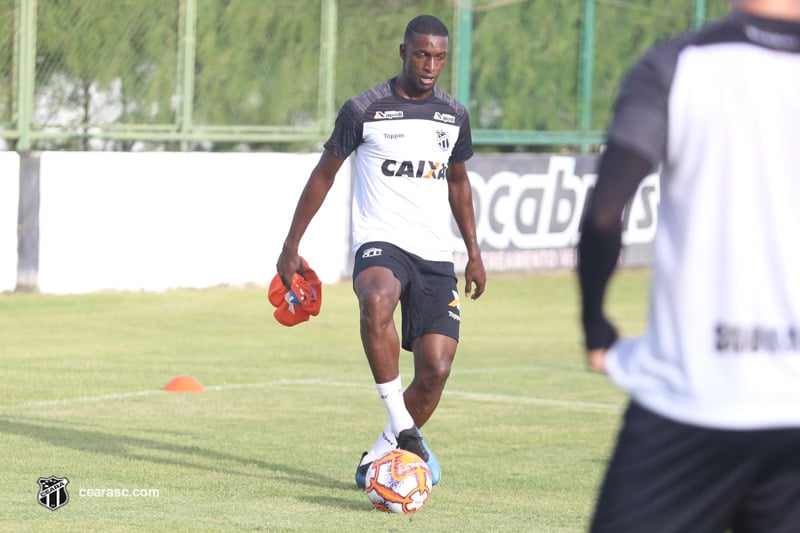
<point x="596" y="360"/>
<point x="474" y="274"/>
<point x="599" y="335"/>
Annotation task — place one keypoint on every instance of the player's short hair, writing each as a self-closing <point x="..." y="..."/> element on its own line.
<point x="425" y="25"/>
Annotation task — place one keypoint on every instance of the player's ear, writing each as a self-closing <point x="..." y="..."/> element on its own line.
<point x="403" y="50"/>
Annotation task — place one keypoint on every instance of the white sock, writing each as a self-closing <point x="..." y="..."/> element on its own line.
<point x="385" y="443"/>
<point x="392" y="396"/>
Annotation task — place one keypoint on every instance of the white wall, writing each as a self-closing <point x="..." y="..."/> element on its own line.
<point x="154" y="221"/>
<point x="9" y="205"/>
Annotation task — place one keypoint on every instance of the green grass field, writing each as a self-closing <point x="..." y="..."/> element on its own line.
<point x="523" y="431"/>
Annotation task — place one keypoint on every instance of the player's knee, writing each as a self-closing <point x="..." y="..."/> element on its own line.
<point x="436" y="373"/>
<point x="376" y="306"/>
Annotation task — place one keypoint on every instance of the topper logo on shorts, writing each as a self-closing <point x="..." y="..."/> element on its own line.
<point x="455" y="302"/>
<point x="371" y="252"/>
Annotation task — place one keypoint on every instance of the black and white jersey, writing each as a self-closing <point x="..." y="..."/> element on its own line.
<point x="719" y="109"/>
<point x="403" y="149"/>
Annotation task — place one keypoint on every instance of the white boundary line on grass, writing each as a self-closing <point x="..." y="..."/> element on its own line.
<point x="486" y="397"/>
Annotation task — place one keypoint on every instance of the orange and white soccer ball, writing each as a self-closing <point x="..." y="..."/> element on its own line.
<point x="399" y="482"/>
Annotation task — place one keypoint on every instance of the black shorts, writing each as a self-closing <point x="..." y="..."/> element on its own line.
<point x="666" y="476"/>
<point x="429" y="298"/>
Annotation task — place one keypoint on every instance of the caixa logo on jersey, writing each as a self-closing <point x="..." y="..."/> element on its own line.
<point x="414" y="169"/>
<point x="527" y="210"/>
<point x="53" y="492"/>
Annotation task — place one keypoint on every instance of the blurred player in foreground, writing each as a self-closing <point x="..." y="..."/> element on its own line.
<point x="711" y="439"/>
<point x="411" y="141"/>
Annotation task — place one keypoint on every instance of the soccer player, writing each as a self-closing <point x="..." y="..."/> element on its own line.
<point x="411" y="140"/>
<point x="711" y="438"/>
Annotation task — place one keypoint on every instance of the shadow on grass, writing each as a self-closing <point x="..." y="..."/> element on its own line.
<point x="338" y="503"/>
<point x="159" y="452"/>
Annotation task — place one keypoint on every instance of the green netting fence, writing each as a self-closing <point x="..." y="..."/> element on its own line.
<point x="236" y="75"/>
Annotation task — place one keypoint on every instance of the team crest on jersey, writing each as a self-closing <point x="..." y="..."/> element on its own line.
<point x="444" y="117"/>
<point x="382" y="115"/>
<point x="443" y="139"/>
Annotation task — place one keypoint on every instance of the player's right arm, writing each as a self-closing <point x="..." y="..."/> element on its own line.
<point x="319" y="183"/>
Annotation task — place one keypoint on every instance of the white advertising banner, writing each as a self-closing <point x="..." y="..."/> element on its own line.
<point x="155" y="221"/>
<point x="528" y="210"/>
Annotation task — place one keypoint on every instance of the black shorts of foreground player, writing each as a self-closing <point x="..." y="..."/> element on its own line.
<point x="666" y="476"/>
<point x="401" y="231"/>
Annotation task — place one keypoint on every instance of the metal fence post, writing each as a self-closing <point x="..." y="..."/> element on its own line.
<point x="26" y="61"/>
<point x="28" y="223"/>
<point x="186" y="54"/>
<point x="462" y="66"/>
<point x="586" y="73"/>
<point x="327" y="64"/>
<point x="700" y="13"/>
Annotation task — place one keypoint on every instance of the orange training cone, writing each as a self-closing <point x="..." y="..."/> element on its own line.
<point x="184" y="384"/>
